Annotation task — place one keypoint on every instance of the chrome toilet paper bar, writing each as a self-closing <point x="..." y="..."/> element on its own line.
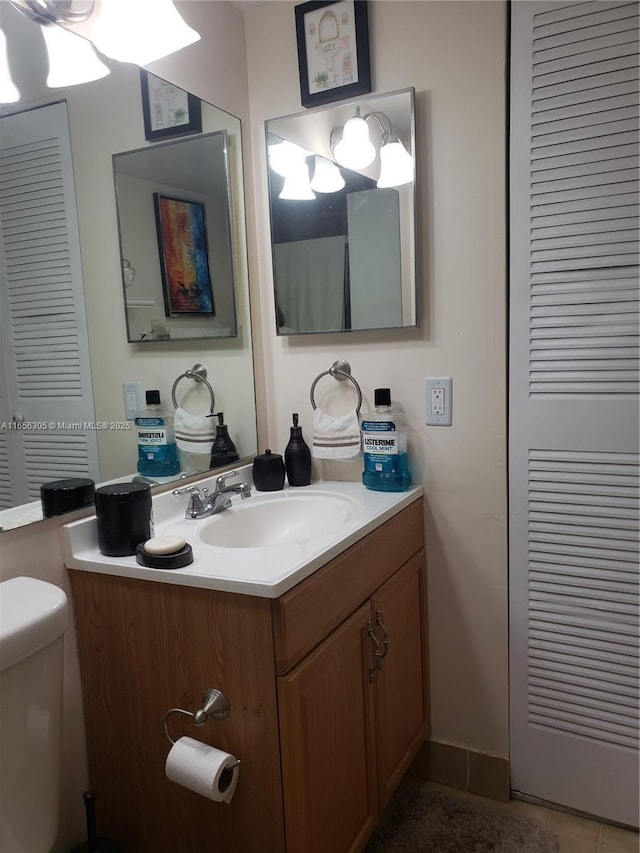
<point x="215" y="706"/>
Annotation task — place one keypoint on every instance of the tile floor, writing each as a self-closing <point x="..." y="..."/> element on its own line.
<point x="574" y="834"/>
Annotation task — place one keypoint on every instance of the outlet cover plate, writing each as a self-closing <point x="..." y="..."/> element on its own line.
<point x="132" y="403"/>
<point x="439" y="401"/>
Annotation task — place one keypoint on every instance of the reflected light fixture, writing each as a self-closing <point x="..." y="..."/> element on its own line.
<point x="9" y="93"/>
<point x="72" y="59"/>
<point x="297" y="186"/>
<point x="141" y="31"/>
<point x="355" y="150"/>
<point x="284" y="155"/>
<point x="327" y="178"/>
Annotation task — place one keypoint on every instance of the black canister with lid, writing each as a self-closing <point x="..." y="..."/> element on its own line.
<point x="123" y="511"/>
<point x="268" y="472"/>
<point x="60" y="496"/>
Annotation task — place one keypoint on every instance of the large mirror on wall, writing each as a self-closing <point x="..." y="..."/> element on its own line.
<point x="65" y="352"/>
<point x="342" y="202"/>
<point x="176" y="240"/>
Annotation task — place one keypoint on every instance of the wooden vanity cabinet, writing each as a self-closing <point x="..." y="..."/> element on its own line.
<point x="323" y="727"/>
<point x="351" y="722"/>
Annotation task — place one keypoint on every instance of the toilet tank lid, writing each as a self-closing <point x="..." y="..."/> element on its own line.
<point x="33" y="613"/>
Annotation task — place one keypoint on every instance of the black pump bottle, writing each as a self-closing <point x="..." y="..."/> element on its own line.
<point x="297" y="457"/>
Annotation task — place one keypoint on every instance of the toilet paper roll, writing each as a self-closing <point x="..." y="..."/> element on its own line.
<point x="204" y="769"/>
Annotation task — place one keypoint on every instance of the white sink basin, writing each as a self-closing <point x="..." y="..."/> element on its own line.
<point x="269" y="519"/>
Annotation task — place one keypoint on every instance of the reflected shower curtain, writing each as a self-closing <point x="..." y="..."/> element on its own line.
<point x="309" y="281"/>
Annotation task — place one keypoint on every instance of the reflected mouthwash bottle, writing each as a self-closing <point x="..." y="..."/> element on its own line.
<point x="157" y="451"/>
<point x="384" y="443"/>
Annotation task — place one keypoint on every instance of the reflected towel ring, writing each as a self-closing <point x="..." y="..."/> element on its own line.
<point x="340" y="370"/>
<point x="199" y="373"/>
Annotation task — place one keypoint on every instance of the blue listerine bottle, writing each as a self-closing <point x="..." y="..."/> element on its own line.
<point x="157" y="451"/>
<point x="384" y="443"/>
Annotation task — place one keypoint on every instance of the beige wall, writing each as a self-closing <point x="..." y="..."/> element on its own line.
<point x="453" y="53"/>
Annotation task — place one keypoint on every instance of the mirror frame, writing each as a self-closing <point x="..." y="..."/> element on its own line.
<point x="231" y="237"/>
<point x="349" y="106"/>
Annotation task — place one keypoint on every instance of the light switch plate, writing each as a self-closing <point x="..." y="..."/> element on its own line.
<point x="439" y="400"/>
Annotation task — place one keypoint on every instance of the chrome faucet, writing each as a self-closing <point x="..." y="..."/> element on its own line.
<point x="212" y="504"/>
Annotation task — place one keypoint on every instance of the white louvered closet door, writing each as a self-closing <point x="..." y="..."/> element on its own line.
<point x="45" y="375"/>
<point x="573" y="447"/>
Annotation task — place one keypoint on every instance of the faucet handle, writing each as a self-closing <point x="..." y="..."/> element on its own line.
<point x="222" y="479"/>
<point x="186" y="490"/>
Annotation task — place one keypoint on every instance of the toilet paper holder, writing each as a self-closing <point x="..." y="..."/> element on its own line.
<point x="215" y="706"/>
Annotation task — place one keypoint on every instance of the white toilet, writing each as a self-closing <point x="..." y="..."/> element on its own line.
<point x="33" y="617"/>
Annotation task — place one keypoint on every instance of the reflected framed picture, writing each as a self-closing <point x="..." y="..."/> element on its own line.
<point x="167" y="110"/>
<point x="333" y="50"/>
<point x="184" y="256"/>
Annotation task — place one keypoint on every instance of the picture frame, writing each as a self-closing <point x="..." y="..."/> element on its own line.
<point x="333" y="50"/>
<point x="167" y="110"/>
<point x="184" y="256"/>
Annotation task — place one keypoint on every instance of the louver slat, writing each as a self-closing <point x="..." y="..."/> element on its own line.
<point x="6" y="496"/>
<point x="54" y="456"/>
<point x="39" y="296"/>
<point x="583" y="593"/>
<point x="584" y="210"/>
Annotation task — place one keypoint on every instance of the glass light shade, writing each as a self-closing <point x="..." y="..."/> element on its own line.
<point x="327" y="178"/>
<point x="296" y="184"/>
<point x="355" y="150"/>
<point x="72" y="59"/>
<point x="285" y="156"/>
<point x="141" y="31"/>
<point x="9" y="94"/>
<point x="396" y="165"/>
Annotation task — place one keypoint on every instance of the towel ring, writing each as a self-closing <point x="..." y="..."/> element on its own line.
<point x="340" y="370"/>
<point x="199" y="373"/>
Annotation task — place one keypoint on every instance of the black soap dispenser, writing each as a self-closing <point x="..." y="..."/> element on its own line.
<point x="223" y="450"/>
<point x="297" y="457"/>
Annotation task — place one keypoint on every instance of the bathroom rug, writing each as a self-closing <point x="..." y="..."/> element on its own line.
<point x="420" y="819"/>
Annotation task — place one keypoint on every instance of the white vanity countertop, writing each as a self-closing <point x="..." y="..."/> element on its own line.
<point x="267" y="572"/>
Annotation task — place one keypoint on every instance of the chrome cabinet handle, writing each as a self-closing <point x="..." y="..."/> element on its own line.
<point x="378" y="654"/>
<point x="385" y="641"/>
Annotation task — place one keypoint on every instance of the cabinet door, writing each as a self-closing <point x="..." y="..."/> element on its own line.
<point x="327" y="743"/>
<point x="400" y="685"/>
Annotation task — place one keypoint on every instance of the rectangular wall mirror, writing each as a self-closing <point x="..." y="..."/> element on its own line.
<point x="174" y="220"/>
<point x="342" y="201"/>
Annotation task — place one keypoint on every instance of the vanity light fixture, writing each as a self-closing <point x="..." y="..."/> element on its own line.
<point x="137" y="31"/>
<point x="72" y="59"/>
<point x="141" y="31"/>
<point x="396" y="164"/>
<point x="355" y="150"/>
<point x="327" y="178"/>
<point x="9" y="93"/>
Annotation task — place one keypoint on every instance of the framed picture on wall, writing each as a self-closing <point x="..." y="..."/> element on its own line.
<point x="333" y="50"/>
<point x="184" y="256"/>
<point x="167" y="110"/>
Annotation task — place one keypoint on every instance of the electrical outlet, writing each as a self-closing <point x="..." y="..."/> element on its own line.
<point x="131" y="392"/>
<point x="439" y="401"/>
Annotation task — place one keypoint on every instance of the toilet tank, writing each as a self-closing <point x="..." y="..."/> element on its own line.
<point x="33" y="617"/>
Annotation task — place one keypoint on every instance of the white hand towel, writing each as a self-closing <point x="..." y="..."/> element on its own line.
<point x="335" y="438"/>
<point x="194" y="433"/>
